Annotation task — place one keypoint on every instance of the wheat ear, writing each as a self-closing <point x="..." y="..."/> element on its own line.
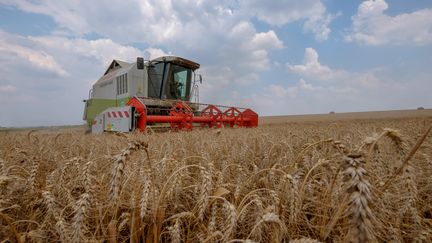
<point x="145" y="194"/>
<point x="118" y="169"/>
<point x="304" y="240"/>
<point x="83" y="204"/>
<point x="62" y="230"/>
<point x="359" y="198"/>
<point x="33" y="173"/>
<point x="268" y="218"/>
<point x="406" y="160"/>
<point x="231" y="223"/>
<point x="212" y="225"/>
<point x="78" y="225"/>
<point x="175" y="231"/>
<point x="205" y="192"/>
<point x="2" y="167"/>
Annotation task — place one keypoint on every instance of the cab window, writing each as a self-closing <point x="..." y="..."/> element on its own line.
<point x="179" y="83"/>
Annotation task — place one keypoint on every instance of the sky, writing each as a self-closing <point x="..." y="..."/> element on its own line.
<point x="277" y="57"/>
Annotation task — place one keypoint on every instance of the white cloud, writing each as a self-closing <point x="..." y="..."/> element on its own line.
<point x="371" y="26"/>
<point x="266" y="40"/>
<point x="319" y="25"/>
<point x="390" y="94"/>
<point x="7" y="88"/>
<point x="300" y="98"/>
<point x="215" y="34"/>
<point x="85" y="60"/>
<point x="314" y="70"/>
<point x="102" y="50"/>
<point x="220" y="35"/>
<point x="305" y="86"/>
<point x="12" y="47"/>
<point x="150" y="21"/>
<point x="282" y="12"/>
<point x="153" y="53"/>
<point x="44" y="94"/>
<point x="64" y="13"/>
<point x="280" y="91"/>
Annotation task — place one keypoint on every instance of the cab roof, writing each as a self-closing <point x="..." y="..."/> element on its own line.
<point x="177" y="60"/>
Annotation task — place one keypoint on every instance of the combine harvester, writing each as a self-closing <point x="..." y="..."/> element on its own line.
<point x="162" y="92"/>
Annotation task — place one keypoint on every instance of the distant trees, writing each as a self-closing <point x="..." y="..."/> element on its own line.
<point x="420" y="108"/>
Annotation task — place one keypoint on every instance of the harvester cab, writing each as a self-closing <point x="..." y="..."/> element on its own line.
<point x="162" y="91"/>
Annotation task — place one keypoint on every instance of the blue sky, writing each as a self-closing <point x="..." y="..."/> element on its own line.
<point x="278" y="57"/>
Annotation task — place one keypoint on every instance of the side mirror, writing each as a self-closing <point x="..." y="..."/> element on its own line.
<point x="140" y="63"/>
<point x="199" y="78"/>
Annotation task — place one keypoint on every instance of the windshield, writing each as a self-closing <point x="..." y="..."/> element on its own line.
<point x="169" y="81"/>
<point x="155" y="75"/>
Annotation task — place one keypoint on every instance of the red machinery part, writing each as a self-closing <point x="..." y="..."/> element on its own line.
<point x="182" y="117"/>
<point x="213" y="115"/>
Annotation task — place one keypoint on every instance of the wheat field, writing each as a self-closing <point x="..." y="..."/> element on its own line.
<point x="344" y="181"/>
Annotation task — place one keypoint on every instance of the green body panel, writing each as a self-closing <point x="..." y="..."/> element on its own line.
<point x="95" y="106"/>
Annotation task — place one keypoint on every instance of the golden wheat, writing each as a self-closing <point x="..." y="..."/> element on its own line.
<point x="358" y="181"/>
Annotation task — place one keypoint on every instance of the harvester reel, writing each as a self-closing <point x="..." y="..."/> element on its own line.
<point x="215" y="114"/>
<point x="181" y="109"/>
<point x="235" y="117"/>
